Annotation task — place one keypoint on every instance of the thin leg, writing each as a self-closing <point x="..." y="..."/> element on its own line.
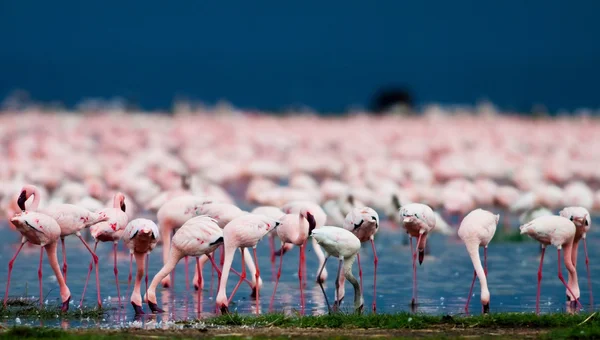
<point x="187" y="274"/>
<point x="40" y="277"/>
<point x="336" y="305"/>
<point x="10" y="267"/>
<point x="562" y="279"/>
<point x="95" y="260"/>
<point x="64" y="254"/>
<point x="587" y="267"/>
<point x="470" y="292"/>
<point x="277" y="280"/>
<point x="130" y="273"/>
<point x="375" y="261"/>
<point x="539" y="276"/>
<point x="212" y="277"/>
<point x="321" y="284"/>
<point x="116" y="271"/>
<point x="147" y="260"/>
<point x="242" y="277"/>
<point x="212" y="260"/>
<point x="300" y="277"/>
<point x="87" y="279"/>
<point x="256" y="275"/>
<point x="199" y="284"/>
<point x="359" y="270"/>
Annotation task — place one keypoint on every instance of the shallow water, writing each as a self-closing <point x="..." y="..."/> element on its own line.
<point x="443" y="280"/>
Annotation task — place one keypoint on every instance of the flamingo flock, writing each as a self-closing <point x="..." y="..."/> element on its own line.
<point x="186" y="182"/>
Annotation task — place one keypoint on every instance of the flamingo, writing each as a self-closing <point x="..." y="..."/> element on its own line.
<point x="173" y="214"/>
<point x="42" y="230"/>
<point x="344" y="245"/>
<point x="418" y="220"/>
<point x="140" y="236"/>
<point x="477" y="230"/>
<point x="244" y="231"/>
<point x="198" y="236"/>
<point x="293" y="228"/>
<point x="71" y="219"/>
<point x="581" y="218"/>
<point x="110" y="230"/>
<point x="364" y="223"/>
<point x="274" y="213"/>
<point x="559" y="232"/>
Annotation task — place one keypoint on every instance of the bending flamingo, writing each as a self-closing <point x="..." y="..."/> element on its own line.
<point x="275" y="213"/>
<point x="477" y="230"/>
<point x="294" y="229"/>
<point x="71" y="219"/>
<point x="244" y="231"/>
<point x="581" y="218"/>
<point x="559" y="232"/>
<point x="42" y="230"/>
<point x="344" y="245"/>
<point x="110" y="230"/>
<point x="140" y="236"/>
<point x="364" y="224"/>
<point x="198" y="236"/>
<point x="418" y="220"/>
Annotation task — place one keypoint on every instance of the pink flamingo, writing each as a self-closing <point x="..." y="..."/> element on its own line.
<point x="110" y="230"/>
<point x="477" y="230"/>
<point x="71" y="220"/>
<point x="198" y="236"/>
<point x="581" y="218"/>
<point x="42" y="230"/>
<point x="274" y="213"/>
<point x="295" y="207"/>
<point x="244" y="231"/>
<point x="173" y="214"/>
<point x="418" y="220"/>
<point x="364" y="224"/>
<point x="293" y="228"/>
<point x="559" y="232"/>
<point x="343" y="245"/>
<point x="140" y="236"/>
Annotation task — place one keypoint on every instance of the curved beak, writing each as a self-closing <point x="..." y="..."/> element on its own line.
<point x="21" y="200"/>
<point x="486" y="308"/>
<point x="312" y="224"/>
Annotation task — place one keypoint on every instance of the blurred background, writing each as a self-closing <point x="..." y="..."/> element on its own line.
<point x="330" y="56"/>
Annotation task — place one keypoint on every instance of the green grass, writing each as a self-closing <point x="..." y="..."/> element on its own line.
<point x="31" y="309"/>
<point x="510" y="236"/>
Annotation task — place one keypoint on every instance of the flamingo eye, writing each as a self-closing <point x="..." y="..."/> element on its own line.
<point x="571" y="218"/>
<point x="586" y="222"/>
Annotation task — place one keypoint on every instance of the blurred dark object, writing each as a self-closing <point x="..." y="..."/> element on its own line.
<point x="388" y="98"/>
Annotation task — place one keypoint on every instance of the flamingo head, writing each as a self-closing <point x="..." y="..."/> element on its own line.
<point x="120" y="201"/>
<point x="22" y="199"/>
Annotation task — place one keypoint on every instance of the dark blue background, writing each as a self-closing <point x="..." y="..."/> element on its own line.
<point x="326" y="54"/>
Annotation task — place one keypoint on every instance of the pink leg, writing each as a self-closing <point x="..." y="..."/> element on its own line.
<point x="277" y="280"/>
<point x="187" y="275"/>
<point x="64" y="253"/>
<point x="199" y="284"/>
<point x="256" y="275"/>
<point x="212" y="276"/>
<point x="375" y="261"/>
<point x="359" y="270"/>
<point x="562" y="279"/>
<point x="539" y="276"/>
<point x="116" y="270"/>
<point x="300" y="277"/>
<point x="242" y="277"/>
<point x="587" y="267"/>
<point x="95" y="260"/>
<point x="215" y="267"/>
<point x="470" y="292"/>
<point x="40" y="277"/>
<point x="10" y="267"/>
<point x="130" y="273"/>
<point x="87" y="279"/>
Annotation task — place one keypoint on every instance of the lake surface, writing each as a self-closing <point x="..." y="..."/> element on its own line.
<point x="443" y="280"/>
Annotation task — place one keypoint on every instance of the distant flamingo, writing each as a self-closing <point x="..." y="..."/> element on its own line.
<point x="140" y="236"/>
<point x="559" y="232"/>
<point x="477" y="230"/>
<point x="173" y="214"/>
<point x="317" y="212"/>
<point x="343" y="245"/>
<point x="42" y="230"/>
<point x="244" y="231"/>
<point x="71" y="219"/>
<point x="418" y="220"/>
<point x="294" y="228"/>
<point x="364" y="223"/>
<point x="110" y="230"/>
<point x="581" y="218"/>
<point x="198" y="236"/>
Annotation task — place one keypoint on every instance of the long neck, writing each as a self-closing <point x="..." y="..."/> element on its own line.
<point x="222" y="293"/>
<point x="36" y="199"/>
<point x="174" y="257"/>
<point x="572" y="271"/>
<point x="302" y="232"/>
<point x="140" y="261"/>
<point x="53" y="260"/>
<point x="473" y="250"/>
<point x="116" y="202"/>
<point x="358" y="299"/>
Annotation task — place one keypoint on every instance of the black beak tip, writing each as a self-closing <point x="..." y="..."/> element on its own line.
<point x="359" y="310"/>
<point x="254" y="292"/>
<point x="154" y="308"/>
<point x="421" y="256"/>
<point x="21" y="200"/>
<point x="65" y="305"/>
<point x="486" y="308"/>
<point x="224" y="310"/>
<point x="138" y="309"/>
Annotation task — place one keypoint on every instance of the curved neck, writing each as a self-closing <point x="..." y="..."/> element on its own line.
<point x="228" y="259"/>
<point x="572" y="282"/>
<point x="358" y="300"/>
<point x="473" y="250"/>
<point x="36" y="198"/>
<point x="117" y="202"/>
<point x="302" y="232"/>
<point x="175" y="256"/>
